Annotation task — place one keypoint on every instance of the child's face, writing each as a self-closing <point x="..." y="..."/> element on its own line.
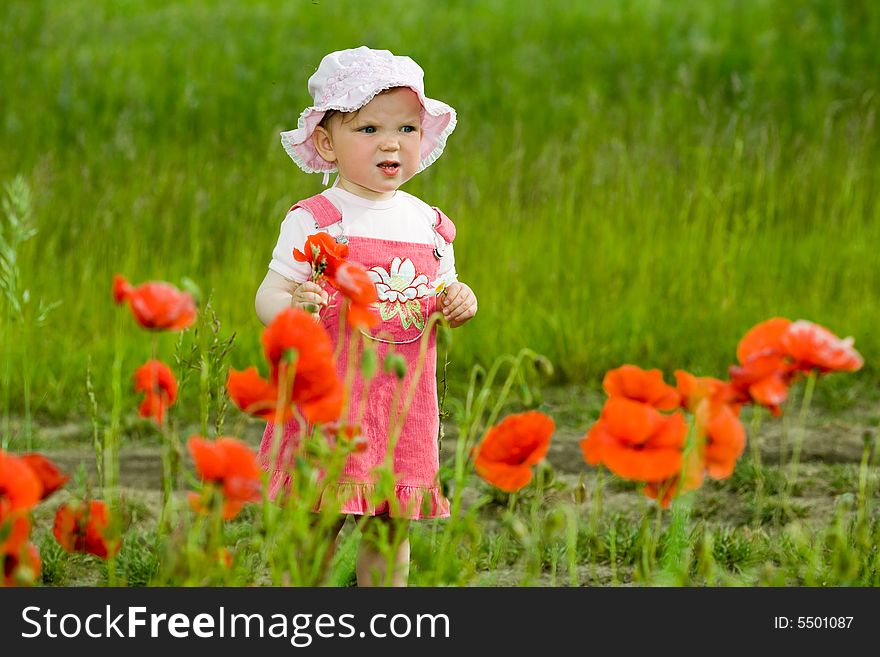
<point x="378" y="150"/>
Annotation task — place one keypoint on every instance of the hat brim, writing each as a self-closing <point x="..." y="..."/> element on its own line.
<point x="438" y="122"/>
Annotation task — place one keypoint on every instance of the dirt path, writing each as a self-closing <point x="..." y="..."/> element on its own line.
<point x="830" y="443"/>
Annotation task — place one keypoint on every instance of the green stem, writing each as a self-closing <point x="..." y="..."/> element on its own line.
<point x="655" y="535"/>
<point x="111" y="434"/>
<point x="7" y="378"/>
<point x="204" y="377"/>
<point x="755" y="453"/>
<point x="863" y="483"/>
<point x="612" y="553"/>
<point x="26" y="377"/>
<point x="571" y="536"/>
<point x="802" y="420"/>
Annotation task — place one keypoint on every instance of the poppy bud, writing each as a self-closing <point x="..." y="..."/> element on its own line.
<point x="544" y="366"/>
<point x="369" y="363"/>
<point x="580" y="491"/>
<point x="397" y="364"/>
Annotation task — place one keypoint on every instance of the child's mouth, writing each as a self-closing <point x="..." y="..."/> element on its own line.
<point x="389" y="168"/>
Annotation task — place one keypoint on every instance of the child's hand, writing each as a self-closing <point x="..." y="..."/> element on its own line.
<point x="458" y="305"/>
<point x="310" y="297"/>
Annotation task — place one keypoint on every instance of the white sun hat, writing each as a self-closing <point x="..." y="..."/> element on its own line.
<point x="346" y="80"/>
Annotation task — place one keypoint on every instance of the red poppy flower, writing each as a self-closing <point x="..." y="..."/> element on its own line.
<point x="22" y="567"/>
<point x="295" y="329"/>
<point x="646" y="386"/>
<point x="20" y="490"/>
<point x="694" y="389"/>
<point x="231" y="508"/>
<point x="156" y="305"/>
<point x="156" y="380"/>
<point x="353" y="281"/>
<point x="765" y="370"/>
<point x="364" y="317"/>
<point x="722" y="437"/>
<point x="316" y="385"/>
<point x="84" y="528"/>
<point x="353" y="438"/>
<point x="664" y="491"/>
<point x="323" y="253"/>
<point x="814" y="347"/>
<point x="635" y="441"/>
<point x="764" y="378"/>
<point x="224" y="557"/>
<point x="327" y="407"/>
<point x="232" y="465"/>
<point x="256" y="396"/>
<point x="347" y="437"/>
<point x="15" y="529"/>
<point x="47" y="472"/>
<point x="505" y="456"/>
<point x="20" y="487"/>
<point x="762" y="338"/>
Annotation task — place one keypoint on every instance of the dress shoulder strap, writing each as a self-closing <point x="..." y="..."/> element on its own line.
<point x="324" y="212"/>
<point x="444" y="226"/>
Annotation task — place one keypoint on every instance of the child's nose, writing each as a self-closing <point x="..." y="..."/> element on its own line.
<point x="390" y="144"/>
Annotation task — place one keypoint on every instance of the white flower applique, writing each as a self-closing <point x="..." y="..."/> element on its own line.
<point x="399" y="290"/>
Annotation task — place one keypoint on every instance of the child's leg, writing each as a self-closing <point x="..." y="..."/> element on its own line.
<point x="331" y="549"/>
<point x="328" y="539"/>
<point x="384" y="542"/>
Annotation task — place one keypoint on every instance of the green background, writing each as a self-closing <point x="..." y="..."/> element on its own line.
<point x="632" y="181"/>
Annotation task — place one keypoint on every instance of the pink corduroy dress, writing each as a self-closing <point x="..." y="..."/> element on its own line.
<point x="403" y="266"/>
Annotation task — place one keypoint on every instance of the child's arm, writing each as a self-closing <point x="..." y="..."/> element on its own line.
<point x="459" y="305"/>
<point x="277" y="293"/>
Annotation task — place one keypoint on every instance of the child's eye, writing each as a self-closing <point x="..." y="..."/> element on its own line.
<point x="408" y="128"/>
<point x="368" y="129"/>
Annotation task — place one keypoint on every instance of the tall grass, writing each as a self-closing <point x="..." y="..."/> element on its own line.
<point x="632" y="181"/>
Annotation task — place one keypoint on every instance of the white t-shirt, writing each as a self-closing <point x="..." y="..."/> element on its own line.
<point x="403" y="218"/>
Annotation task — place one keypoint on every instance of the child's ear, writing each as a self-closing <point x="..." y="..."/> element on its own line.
<point x="323" y="144"/>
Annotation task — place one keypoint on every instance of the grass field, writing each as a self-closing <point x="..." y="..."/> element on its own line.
<point x="632" y="182"/>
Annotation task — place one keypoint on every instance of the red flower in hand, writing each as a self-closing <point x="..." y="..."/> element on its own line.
<point x="505" y="456"/>
<point x="323" y="253"/>
<point x="158" y="382"/>
<point x="230" y="464"/>
<point x="85" y="529"/>
<point x="156" y="305"/>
